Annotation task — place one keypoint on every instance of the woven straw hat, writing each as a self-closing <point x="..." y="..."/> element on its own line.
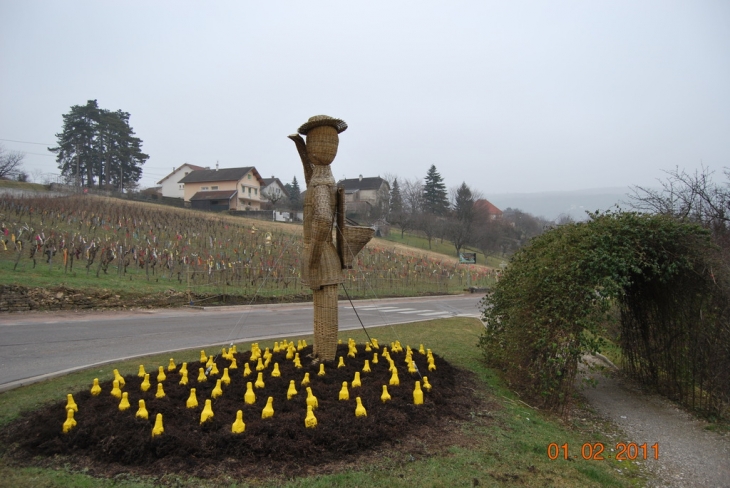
<point x="320" y="120"/>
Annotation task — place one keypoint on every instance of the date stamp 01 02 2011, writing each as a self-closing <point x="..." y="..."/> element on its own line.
<point x="596" y="451"/>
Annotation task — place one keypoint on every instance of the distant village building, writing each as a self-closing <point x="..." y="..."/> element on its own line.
<point x="274" y="191"/>
<point x="223" y="189"/>
<point x="170" y="184"/>
<point x="487" y="208"/>
<point x="366" y="197"/>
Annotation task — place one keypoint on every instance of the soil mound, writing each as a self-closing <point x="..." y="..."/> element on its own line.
<point x="104" y="435"/>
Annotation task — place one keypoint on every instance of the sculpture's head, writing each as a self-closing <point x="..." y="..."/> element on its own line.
<point x="322" y="138"/>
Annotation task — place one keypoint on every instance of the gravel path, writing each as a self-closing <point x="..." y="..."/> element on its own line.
<point x="689" y="454"/>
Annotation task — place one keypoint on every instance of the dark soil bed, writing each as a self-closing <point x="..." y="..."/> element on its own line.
<point x="107" y="441"/>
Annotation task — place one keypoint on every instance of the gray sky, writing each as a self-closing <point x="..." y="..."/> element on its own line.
<point x="508" y="96"/>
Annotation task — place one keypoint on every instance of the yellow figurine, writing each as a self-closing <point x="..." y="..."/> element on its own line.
<point x="201" y="376"/>
<point x="426" y="384"/>
<point x="276" y="347"/>
<point x="184" y="368"/>
<point x="310" y="421"/>
<point x="290" y="352"/>
<point x="311" y="399"/>
<point x="268" y="410"/>
<point x="292" y="391"/>
<point x="421" y="350"/>
<point x="95" y="389"/>
<point x="225" y="378"/>
<point x="70" y="423"/>
<point x="141" y="372"/>
<point x="367" y="347"/>
<point x="207" y="412"/>
<point x="238" y="426"/>
<point x="431" y="364"/>
<point x="394" y="381"/>
<point x="385" y="396"/>
<point x="158" y="429"/>
<point x="366" y="368"/>
<point x="209" y="363"/>
<point x="116" y="392"/>
<point x="203" y="357"/>
<point x="259" y="381"/>
<point x="192" y="399"/>
<point x="305" y="381"/>
<point x="70" y="403"/>
<point x="321" y="370"/>
<point x="297" y="362"/>
<point x="260" y="365"/>
<point x="160" y="391"/>
<point x="172" y="366"/>
<point x="418" y="394"/>
<point x="249" y="397"/>
<point x="412" y="367"/>
<point x="276" y="373"/>
<point x="374" y="342"/>
<point x="145" y="385"/>
<point x="246" y="370"/>
<point x="217" y="391"/>
<point x="119" y="378"/>
<point x="142" y="411"/>
<point x="184" y="378"/>
<point x="356" y="382"/>
<point x="360" y="410"/>
<point x="214" y="369"/>
<point x="344" y="394"/>
<point x="341" y="363"/>
<point x="233" y="364"/>
<point x="375" y="358"/>
<point x="124" y="404"/>
<point x="161" y="376"/>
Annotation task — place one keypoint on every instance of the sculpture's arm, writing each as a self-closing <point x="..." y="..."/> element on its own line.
<point x="302" y="149"/>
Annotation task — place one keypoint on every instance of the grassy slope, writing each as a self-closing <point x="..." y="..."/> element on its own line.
<point x="504" y="444"/>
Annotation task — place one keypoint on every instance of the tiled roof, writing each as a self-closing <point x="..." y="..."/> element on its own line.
<point x="214" y="195"/>
<point x="483" y="204"/>
<point x="223" y="174"/>
<point x="191" y="166"/>
<point x="373" y="183"/>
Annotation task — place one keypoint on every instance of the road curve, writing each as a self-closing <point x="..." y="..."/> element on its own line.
<point x="37" y="346"/>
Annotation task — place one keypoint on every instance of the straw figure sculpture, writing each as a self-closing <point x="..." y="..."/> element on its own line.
<point x="324" y="258"/>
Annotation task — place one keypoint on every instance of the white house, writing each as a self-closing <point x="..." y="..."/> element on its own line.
<point x="170" y="184"/>
<point x="274" y="191"/>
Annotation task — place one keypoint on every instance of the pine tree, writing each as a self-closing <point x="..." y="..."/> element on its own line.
<point x="464" y="204"/>
<point x="396" y="200"/>
<point x="295" y="195"/>
<point x="434" y="193"/>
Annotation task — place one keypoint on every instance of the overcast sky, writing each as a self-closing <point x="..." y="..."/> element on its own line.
<point x="508" y="96"/>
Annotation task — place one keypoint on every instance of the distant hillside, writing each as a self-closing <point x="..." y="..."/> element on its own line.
<point x="554" y="203"/>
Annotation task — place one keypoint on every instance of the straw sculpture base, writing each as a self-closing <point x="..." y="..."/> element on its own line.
<point x="325" y="322"/>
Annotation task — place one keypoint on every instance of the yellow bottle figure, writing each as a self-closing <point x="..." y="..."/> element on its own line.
<point x="119" y="378"/>
<point x="426" y="384"/>
<point x="209" y="363"/>
<point x="225" y="378"/>
<point x="116" y="391"/>
<point x="385" y="397"/>
<point x="207" y="412"/>
<point x="310" y="421"/>
<point x="201" y="376"/>
<point x="375" y="342"/>
<point x="184" y="368"/>
<point x="70" y="403"/>
<point x="70" y="422"/>
<point x="305" y="381"/>
<point x="367" y="347"/>
<point x="145" y="385"/>
<point x="360" y="410"/>
<point x="203" y="357"/>
<point x="418" y="394"/>
<point x="233" y="364"/>
<point x="160" y="391"/>
<point x="158" y="429"/>
<point x="184" y="378"/>
<point x="142" y="412"/>
<point x="141" y="371"/>
<point x="276" y="373"/>
<point x="96" y="389"/>
<point x="297" y="362"/>
<point x="394" y="381"/>
<point x="311" y="399"/>
<point x="321" y="370"/>
<point x="214" y="370"/>
<point x="259" y="381"/>
<point x="290" y="352"/>
<point x="366" y="368"/>
<point x="412" y="367"/>
<point x="161" y="376"/>
<point x="268" y="410"/>
<point x="217" y="391"/>
<point x="124" y="404"/>
<point x="356" y="382"/>
<point x="341" y="363"/>
<point x="249" y="397"/>
<point x="375" y="358"/>
<point x="260" y="365"/>
<point x="246" y="370"/>
<point x="276" y="347"/>
<point x="192" y="399"/>
<point x="238" y="426"/>
<point x="432" y="364"/>
<point x="172" y="366"/>
<point x="292" y="391"/>
<point x="344" y="393"/>
<point x="421" y="350"/>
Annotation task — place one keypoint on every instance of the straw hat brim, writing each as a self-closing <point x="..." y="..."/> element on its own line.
<point x="320" y="120"/>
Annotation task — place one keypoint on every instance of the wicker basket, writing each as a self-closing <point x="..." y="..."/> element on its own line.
<point x="356" y="237"/>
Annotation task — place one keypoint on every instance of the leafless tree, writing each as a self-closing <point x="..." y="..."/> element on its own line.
<point x="10" y="163"/>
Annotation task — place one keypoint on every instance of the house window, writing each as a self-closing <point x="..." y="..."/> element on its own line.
<point x="203" y="188"/>
<point x="243" y="189"/>
<point x="255" y="191"/>
<point x="249" y="190"/>
<point x="182" y="186"/>
<point x="214" y="187"/>
<point x="249" y="176"/>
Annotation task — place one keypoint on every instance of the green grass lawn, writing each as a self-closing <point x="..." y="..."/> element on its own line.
<point x="442" y="247"/>
<point x="504" y="444"/>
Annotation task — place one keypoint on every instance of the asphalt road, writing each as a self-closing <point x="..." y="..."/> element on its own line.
<point x="36" y="346"/>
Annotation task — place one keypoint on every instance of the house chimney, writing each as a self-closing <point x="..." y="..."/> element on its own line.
<point x="216" y="165"/>
<point x="360" y="177"/>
